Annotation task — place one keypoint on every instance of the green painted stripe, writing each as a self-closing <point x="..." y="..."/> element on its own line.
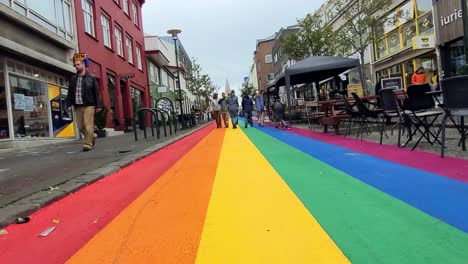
<point x="368" y="225"/>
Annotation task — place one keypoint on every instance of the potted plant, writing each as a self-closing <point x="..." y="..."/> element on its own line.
<point x="100" y="121"/>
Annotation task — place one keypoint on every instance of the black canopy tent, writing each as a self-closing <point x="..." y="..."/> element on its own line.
<point x="312" y="70"/>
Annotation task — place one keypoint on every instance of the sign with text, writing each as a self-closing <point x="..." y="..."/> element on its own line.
<point x="423" y="42"/>
<point x="81" y="57"/>
<point x="395" y="83"/>
<point x="127" y="76"/>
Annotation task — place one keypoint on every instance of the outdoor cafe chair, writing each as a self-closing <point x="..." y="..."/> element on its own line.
<point x="390" y="110"/>
<point x="354" y="116"/>
<point x="455" y="94"/>
<point x="417" y="111"/>
<point x="365" y="114"/>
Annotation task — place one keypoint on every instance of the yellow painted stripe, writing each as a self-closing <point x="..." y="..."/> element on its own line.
<point x="253" y="216"/>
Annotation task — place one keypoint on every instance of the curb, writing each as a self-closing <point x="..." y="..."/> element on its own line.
<point x="33" y="202"/>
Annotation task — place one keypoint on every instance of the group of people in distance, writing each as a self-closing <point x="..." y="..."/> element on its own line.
<point x="221" y="106"/>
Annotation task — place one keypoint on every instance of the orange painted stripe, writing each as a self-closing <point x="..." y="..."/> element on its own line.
<point x="164" y="225"/>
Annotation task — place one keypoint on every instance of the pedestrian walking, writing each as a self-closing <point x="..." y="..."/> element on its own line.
<point x="260" y="106"/>
<point x="233" y="107"/>
<point x="247" y="108"/>
<point x="216" y="108"/>
<point x="83" y="95"/>
<point x="223" y="103"/>
<point x="278" y="113"/>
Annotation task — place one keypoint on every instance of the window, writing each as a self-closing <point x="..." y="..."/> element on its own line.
<point x="125" y="6"/>
<point x="30" y="107"/>
<point x="128" y="44"/>
<point x="268" y="58"/>
<point x="406" y="12"/>
<point x="118" y="41"/>
<point x="270" y="76"/>
<point x="426" y="24"/>
<point x="135" y="13"/>
<point x="423" y="6"/>
<point x="106" y="31"/>
<point x="164" y="79"/>
<point x="381" y="48"/>
<point x="408" y="31"/>
<point x="393" y="41"/>
<point x="152" y="72"/>
<point x="138" y="54"/>
<point x="88" y="16"/>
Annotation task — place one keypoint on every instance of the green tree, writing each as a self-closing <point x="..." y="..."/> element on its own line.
<point x="360" y="18"/>
<point x="199" y="84"/>
<point x="194" y="78"/>
<point x="314" y="38"/>
<point x="248" y="89"/>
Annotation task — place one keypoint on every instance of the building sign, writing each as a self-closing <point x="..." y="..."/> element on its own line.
<point x="423" y="42"/>
<point x="448" y="18"/>
<point x="127" y="76"/>
<point x="162" y="89"/>
<point x="394" y="83"/>
<point x="82" y="57"/>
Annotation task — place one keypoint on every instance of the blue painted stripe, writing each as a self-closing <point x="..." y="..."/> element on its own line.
<point x="441" y="197"/>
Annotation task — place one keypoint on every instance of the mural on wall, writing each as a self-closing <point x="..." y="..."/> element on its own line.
<point x="62" y="119"/>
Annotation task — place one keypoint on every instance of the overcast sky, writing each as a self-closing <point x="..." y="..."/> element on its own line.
<point x="222" y="33"/>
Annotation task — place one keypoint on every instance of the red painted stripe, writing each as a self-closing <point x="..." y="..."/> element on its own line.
<point x="454" y="168"/>
<point x="83" y="214"/>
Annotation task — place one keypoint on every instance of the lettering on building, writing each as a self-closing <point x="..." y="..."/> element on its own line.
<point x="446" y="20"/>
<point x="127" y="76"/>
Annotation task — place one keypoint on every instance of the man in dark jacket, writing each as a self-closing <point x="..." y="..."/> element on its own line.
<point x="247" y="108"/>
<point x="83" y="95"/>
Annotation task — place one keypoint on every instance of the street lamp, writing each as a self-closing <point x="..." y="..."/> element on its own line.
<point x="174" y="33"/>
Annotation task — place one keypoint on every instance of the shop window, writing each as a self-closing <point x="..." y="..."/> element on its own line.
<point x="408" y="31"/>
<point x="136" y="99"/>
<point x="30" y="107"/>
<point x="454" y="59"/>
<point x="426" y="24"/>
<point x="423" y="6"/>
<point x="111" y="90"/>
<point x="393" y="41"/>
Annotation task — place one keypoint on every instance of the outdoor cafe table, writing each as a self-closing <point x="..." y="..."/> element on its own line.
<point x="460" y="128"/>
<point x="332" y="116"/>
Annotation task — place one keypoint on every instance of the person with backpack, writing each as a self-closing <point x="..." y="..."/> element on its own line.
<point x="247" y="108"/>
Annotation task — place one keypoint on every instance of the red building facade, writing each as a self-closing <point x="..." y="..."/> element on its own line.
<point x="111" y="33"/>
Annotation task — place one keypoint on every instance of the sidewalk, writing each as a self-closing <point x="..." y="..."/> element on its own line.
<point x="33" y="178"/>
